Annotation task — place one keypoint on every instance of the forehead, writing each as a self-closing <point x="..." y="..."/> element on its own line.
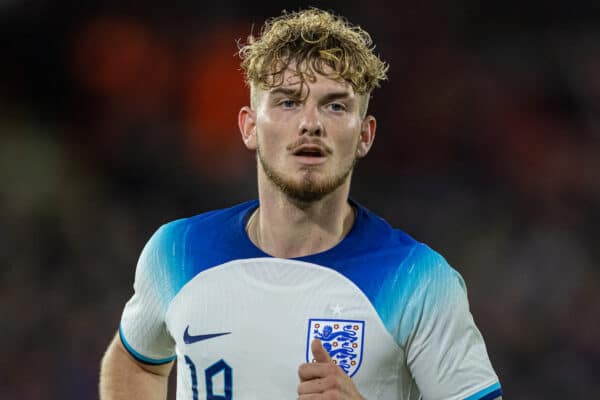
<point x="309" y="83"/>
<point x="292" y="77"/>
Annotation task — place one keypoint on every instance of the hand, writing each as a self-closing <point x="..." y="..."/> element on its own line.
<point x="323" y="380"/>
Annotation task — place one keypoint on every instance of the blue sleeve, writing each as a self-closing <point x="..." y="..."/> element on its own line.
<point x="143" y="330"/>
<point x="425" y="307"/>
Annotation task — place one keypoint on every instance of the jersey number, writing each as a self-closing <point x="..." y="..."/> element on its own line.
<point x="209" y="373"/>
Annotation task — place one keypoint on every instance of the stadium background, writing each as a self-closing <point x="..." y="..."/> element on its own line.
<point x="117" y="116"/>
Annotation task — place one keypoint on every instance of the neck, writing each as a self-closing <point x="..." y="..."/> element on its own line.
<point x="286" y="228"/>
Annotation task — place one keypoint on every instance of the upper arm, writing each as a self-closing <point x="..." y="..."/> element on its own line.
<point x="124" y="377"/>
<point x="143" y="331"/>
<point x="445" y="351"/>
<point x="161" y="369"/>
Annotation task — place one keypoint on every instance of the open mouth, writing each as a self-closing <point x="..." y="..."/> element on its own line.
<point x="309" y="151"/>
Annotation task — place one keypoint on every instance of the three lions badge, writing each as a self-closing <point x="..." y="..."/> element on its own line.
<point x="343" y="340"/>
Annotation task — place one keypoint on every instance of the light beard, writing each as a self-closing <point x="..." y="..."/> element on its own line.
<point x="309" y="188"/>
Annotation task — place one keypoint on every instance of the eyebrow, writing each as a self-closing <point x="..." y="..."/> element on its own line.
<point x="285" y="91"/>
<point x="336" y="96"/>
<point x="344" y="94"/>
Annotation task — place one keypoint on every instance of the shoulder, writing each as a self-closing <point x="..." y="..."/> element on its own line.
<point x="414" y="258"/>
<point x="201" y="236"/>
<point x="377" y="236"/>
<point x="217" y="220"/>
<point x="413" y="278"/>
<point x="180" y="249"/>
<point x="418" y="289"/>
<point x="426" y="279"/>
<point x="429" y="267"/>
<point x="405" y="256"/>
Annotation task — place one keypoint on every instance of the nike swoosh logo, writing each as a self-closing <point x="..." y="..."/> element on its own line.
<point x="189" y="339"/>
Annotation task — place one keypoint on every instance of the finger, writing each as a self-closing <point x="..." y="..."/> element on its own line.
<point x="320" y="355"/>
<point x="311" y="396"/>
<point x="318" y="385"/>
<point x="309" y="371"/>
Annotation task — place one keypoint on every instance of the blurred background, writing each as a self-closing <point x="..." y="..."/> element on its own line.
<point x="118" y="116"/>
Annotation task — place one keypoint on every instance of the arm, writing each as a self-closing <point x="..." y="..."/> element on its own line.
<point x="446" y="353"/>
<point x="123" y="377"/>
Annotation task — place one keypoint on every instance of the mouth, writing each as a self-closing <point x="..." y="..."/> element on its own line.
<point x="310" y="154"/>
<point x="309" y="151"/>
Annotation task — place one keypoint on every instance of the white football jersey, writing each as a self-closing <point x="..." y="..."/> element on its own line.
<point x="390" y="311"/>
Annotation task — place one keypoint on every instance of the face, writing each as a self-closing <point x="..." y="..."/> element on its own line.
<point x="307" y="139"/>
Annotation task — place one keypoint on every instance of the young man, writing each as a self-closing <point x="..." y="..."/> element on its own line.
<point x="303" y="293"/>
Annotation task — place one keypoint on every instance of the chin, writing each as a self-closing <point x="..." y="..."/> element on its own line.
<point x="307" y="185"/>
<point x="310" y="188"/>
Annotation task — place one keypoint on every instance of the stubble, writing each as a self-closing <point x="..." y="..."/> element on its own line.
<point x="310" y="187"/>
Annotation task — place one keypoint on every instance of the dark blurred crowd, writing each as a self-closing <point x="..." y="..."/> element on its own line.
<point x="116" y="119"/>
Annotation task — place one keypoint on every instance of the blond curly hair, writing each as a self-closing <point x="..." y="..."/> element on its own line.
<point x="317" y="42"/>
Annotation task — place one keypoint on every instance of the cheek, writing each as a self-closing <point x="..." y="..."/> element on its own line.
<point x="271" y="143"/>
<point x="271" y="126"/>
<point x="273" y="119"/>
<point x="352" y="137"/>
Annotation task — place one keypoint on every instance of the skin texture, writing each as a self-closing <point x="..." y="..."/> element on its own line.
<point x="325" y="114"/>
<point x="304" y="201"/>
<point x="123" y="377"/>
<point x="322" y="379"/>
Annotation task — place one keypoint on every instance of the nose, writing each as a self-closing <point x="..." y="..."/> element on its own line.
<point x="310" y="124"/>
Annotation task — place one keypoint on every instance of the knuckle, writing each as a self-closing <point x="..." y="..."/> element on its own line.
<point x="332" y="369"/>
<point x="332" y="382"/>
<point x="302" y="369"/>
<point x="337" y="383"/>
<point x="333" y="395"/>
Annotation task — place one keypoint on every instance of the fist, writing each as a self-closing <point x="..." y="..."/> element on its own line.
<point x="323" y="380"/>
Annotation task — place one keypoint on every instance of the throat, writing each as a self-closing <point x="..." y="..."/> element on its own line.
<point x="302" y="238"/>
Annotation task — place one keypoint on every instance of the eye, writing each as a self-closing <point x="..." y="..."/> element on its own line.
<point x="288" y="103"/>
<point x="337" y="107"/>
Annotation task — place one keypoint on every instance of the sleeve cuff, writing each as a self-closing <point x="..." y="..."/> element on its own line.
<point x="489" y="393"/>
<point x="140" y="357"/>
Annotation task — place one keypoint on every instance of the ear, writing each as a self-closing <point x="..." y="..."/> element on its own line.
<point x="247" y="125"/>
<point x="367" y="136"/>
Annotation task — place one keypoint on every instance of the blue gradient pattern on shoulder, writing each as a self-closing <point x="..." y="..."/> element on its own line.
<point x="423" y="280"/>
<point x="181" y="249"/>
<point x="386" y="264"/>
<point x="401" y="277"/>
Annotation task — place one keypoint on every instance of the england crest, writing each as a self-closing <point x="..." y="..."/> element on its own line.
<point x="343" y="339"/>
